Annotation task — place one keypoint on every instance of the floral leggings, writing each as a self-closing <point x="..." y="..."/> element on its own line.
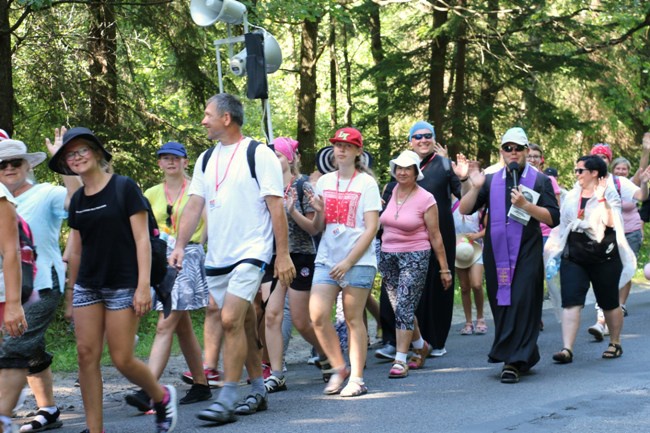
<point x="404" y="276"/>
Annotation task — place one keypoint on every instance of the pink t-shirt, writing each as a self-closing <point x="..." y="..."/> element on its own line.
<point x="408" y="232"/>
<point x="631" y="217"/>
<point x="546" y="230"/>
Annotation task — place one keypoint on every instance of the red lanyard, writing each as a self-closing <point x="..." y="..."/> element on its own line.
<point x="344" y="192"/>
<point x="425" y="165"/>
<point x="218" y="184"/>
<point x="173" y="203"/>
<point x="286" y="190"/>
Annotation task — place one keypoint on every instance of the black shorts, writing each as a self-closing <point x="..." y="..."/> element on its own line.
<point x="304" y="264"/>
<point x="604" y="278"/>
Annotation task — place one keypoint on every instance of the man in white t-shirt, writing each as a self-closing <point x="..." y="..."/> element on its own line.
<point x="244" y="215"/>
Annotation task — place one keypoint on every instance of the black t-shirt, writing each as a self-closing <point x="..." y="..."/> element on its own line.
<point x="108" y="252"/>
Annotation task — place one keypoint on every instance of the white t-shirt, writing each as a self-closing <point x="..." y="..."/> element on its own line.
<point x="355" y="197"/>
<point x="628" y="188"/>
<point x="4" y="193"/>
<point x="239" y="223"/>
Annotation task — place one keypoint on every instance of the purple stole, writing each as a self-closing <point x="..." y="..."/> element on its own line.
<point x="507" y="232"/>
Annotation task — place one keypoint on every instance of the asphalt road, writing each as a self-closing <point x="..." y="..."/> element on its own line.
<point x="459" y="392"/>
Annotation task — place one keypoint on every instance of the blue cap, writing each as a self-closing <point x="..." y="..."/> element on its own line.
<point x="172" y="148"/>
<point x="421" y="124"/>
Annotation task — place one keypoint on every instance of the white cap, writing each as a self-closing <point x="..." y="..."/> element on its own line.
<point x="516" y="136"/>
<point x="406" y="159"/>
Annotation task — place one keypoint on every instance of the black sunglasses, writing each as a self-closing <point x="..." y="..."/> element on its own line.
<point x="509" y="148"/>
<point x="15" y="163"/>
<point x="428" y="136"/>
<point x="170" y="209"/>
<point x="580" y="170"/>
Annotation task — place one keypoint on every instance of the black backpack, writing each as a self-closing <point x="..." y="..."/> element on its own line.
<point x="250" y="157"/>
<point x="158" y="246"/>
<point x="27" y="259"/>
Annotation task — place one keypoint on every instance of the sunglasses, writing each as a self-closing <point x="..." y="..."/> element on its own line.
<point x="15" y="163"/>
<point x="428" y="136"/>
<point x="509" y="148"/>
<point x="170" y="209"/>
<point x="579" y="170"/>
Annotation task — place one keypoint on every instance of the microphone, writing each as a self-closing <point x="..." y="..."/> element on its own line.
<point x="514" y="170"/>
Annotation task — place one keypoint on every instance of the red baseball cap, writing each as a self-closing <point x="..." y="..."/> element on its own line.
<point x="348" y="135"/>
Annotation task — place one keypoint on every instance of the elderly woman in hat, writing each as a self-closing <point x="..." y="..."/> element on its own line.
<point x="44" y="207"/>
<point x="410" y="232"/>
<point x="190" y="291"/>
<point x="110" y="268"/>
<point x="12" y="316"/>
<point x="347" y="207"/>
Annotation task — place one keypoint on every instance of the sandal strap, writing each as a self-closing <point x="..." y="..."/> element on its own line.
<point x="44" y="418"/>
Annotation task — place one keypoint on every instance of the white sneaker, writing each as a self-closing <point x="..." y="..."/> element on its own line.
<point x="437" y="353"/>
<point x="386" y="352"/>
<point x="598" y="331"/>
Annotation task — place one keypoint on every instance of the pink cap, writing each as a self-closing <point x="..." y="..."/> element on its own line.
<point x="602" y="149"/>
<point x="286" y="146"/>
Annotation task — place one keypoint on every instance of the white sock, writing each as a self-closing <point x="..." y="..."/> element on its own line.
<point x="356" y="379"/>
<point x="50" y="409"/>
<point x="400" y="356"/>
<point x="419" y="343"/>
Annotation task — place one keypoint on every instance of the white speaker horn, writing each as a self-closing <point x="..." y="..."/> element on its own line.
<point x="207" y="12"/>
<point x="272" y="56"/>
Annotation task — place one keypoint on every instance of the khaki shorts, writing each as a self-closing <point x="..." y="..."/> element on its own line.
<point x="243" y="282"/>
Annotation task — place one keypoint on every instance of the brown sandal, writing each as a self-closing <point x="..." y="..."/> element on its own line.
<point x="613" y="351"/>
<point x="564" y="356"/>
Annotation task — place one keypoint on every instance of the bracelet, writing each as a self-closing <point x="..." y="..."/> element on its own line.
<point x="600" y="200"/>
<point x="446" y="271"/>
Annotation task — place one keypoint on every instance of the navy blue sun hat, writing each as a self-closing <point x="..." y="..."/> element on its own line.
<point x="58" y="165"/>
<point x="172" y="148"/>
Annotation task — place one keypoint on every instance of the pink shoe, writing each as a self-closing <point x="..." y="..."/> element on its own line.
<point x="213" y="376"/>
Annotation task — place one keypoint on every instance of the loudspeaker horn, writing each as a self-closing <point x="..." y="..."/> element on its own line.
<point x="207" y="12"/>
<point x="272" y="56"/>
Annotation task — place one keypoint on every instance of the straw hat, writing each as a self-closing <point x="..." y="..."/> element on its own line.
<point x="467" y="253"/>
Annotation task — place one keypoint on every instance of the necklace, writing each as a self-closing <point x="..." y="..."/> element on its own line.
<point x="400" y="204"/>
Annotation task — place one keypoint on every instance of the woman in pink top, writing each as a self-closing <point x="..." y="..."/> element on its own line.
<point x="410" y="222"/>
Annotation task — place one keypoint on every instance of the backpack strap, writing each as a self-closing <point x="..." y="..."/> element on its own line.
<point x="617" y="184"/>
<point x="206" y="158"/>
<point x="300" y="190"/>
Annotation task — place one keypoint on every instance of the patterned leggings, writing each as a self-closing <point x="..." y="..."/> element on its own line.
<point x="404" y="277"/>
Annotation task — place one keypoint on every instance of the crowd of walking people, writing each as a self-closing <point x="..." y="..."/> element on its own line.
<point x="259" y="244"/>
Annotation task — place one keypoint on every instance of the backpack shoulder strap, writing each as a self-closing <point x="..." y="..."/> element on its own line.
<point x="206" y="158"/>
<point x="250" y="157"/>
<point x="617" y="184"/>
<point x="300" y="190"/>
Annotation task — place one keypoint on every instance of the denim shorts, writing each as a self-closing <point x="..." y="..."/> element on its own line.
<point x="635" y="240"/>
<point x="359" y="276"/>
<point x="113" y="299"/>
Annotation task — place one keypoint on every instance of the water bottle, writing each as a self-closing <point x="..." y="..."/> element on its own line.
<point x="552" y="267"/>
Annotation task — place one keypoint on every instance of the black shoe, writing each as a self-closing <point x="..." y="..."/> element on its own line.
<point x="196" y="394"/>
<point x="139" y="400"/>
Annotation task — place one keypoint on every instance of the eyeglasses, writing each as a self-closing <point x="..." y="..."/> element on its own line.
<point x="170" y="209"/>
<point x="428" y="136"/>
<point x="533" y="157"/>
<point x="69" y="156"/>
<point x="15" y="163"/>
<point x="509" y="148"/>
<point x="579" y="171"/>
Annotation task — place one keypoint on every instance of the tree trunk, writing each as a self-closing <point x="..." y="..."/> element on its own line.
<point x="308" y="94"/>
<point x="458" y="116"/>
<point x="489" y="89"/>
<point x="333" y="73"/>
<point x="348" y="77"/>
<point x="381" y="87"/>
<point x="6" y="76"/>
<point x="102" y="67"/>
<point x="437" y="68"/>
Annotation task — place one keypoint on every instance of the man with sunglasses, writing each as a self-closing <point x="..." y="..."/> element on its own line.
<point x="435" y="311"/>
<point x="514" y="271"/>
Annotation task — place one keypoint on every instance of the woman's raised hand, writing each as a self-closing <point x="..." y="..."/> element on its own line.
<point x="461" y="166"/>
<point x="58" y="140"/>
<point x="315" y="201"/>
<point x="599" y="190"/>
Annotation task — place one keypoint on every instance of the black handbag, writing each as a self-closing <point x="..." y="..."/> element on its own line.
<point x="586" y="251"/>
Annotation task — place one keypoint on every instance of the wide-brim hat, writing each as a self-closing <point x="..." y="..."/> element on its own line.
<point x="325" y="160"/>
<point x="404" y="160"/>
<point x="16" y="149"/>
<point x="72" y="134"/>
<point x="467" y="252"/>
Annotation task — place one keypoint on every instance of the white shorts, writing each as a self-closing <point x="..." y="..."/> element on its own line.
<point x="243" y="282"/>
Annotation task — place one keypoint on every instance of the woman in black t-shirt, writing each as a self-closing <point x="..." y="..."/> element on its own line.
<point x="109" y="268"/>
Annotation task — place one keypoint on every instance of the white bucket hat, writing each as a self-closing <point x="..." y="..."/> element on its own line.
<point x="467" y="253"/>
<point x="15" y="149"/>
<point x="404" y="160"/>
